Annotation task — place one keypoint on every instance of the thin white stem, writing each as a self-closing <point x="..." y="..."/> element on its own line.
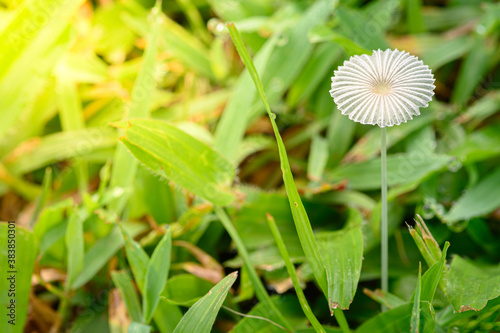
<point x="383" y="228"/>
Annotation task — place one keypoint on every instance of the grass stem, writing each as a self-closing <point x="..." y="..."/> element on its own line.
<point x="339" y="316"/>
<point x="293" y="276"/>
<point x="384" y="227"/>
<point x="260" y="290"/>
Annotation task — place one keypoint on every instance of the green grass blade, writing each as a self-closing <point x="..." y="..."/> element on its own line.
<point x="481" y="199"/>
<point x="415" y="22"/>
<point x="322" y="33"/>
<point x="234" y="120"/>
<point x="156" y="276"/>
<point x="75" y="246"/>
<point x="59" y="146"/>
<point x="127" y="292"/>
<point x="415" y="313"/>
<point x="299" y="214"/>
<point x="138" y="259"/>
<point x="71" y="117"/>
<point x="387" y="299"/>
<point x="302" y="223"/>
<point x="167" y="316"/>
<point x="317" y="158"/>
<point x="260" y="290"/>
<point x="44" y="196"/>
<point x="433" y="276"/>
<point x="22" y="265"/>
<point x="30" y="45"/>
<point x="102" y="251"/>
<point x="293" y="275"/>
<point x="195" y="20"/>
<point x="340" y="134"/>
<point x="171" y="153"/>
<point x="473" y="69"/>
<point x="201" y="316"/>
<point x="446" y="52"/>
<point x="125" y="166"/>
<point x="402" y="169"/>
<point x="282" y="70"/>
<point x="138" y="328"/>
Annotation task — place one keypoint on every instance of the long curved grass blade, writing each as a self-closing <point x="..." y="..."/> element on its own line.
<point x="201" y="316"/>
<point x="260" y="290"/>
<point x="300" y="217"/>
<point x="299" y="214"/>
<point x="293" y="275"/>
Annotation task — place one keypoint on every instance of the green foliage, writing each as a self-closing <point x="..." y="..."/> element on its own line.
<point x="156" y="276"/>
<point x="202" y="314"/>
<point x="147" y="151"/>
<point x="17" y="267"/>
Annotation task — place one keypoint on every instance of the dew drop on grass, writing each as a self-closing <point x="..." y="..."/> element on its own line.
<point x="480" y="29"/>
<point x="215" y="26"/>
<point x="273" y="116"/>
<point x="276" y="84"/>
<point x="454" y="165"/>
<point x="427" y="212"/>
<point x="282" y="40"/>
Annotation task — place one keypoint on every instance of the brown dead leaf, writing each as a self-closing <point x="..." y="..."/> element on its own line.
<point x="118" y="317"/>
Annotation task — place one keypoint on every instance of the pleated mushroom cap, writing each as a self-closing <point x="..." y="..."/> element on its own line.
<point x="385" y="89"/>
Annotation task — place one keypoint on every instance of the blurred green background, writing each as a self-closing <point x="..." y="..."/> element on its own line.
<point x="70" y="69"/>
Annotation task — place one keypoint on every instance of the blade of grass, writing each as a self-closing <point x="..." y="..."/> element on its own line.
<point x="303" y="225"/>
<point x="201" y="316"/>
<point x="138" y="328"/>
<point x="232" y="124"/>
<point x="127" y="291"/>
<point x="174" y="154"/>
<point x="71" y="117"/>
<point x="102" y="251"/>
<point x="431" y="278"/>
<point x="75" y="246"/>
<point x="51" y="148"/>
<point x="25" y="38"/>
<point x="293" y="275"/>
<point x="44" y="196"/>
<point x="25" y="255"/>
<point x="195" y="19"/>
<point x="300" y="217"/>
<point x="415" y="314"/>
<point x="415" y="23"/>
<point x="138" y="258"/>
<point x="156" y="276"/>
<point x="260" y="290"/>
